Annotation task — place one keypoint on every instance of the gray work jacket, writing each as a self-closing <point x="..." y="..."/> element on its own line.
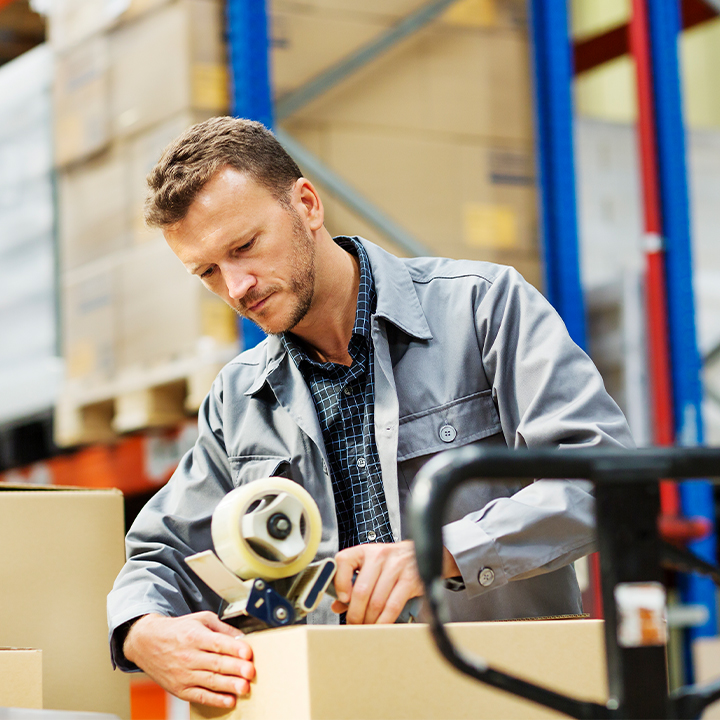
<point x="468" y="348"/>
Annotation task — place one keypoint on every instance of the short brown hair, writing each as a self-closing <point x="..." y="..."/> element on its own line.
<point x="192" y="159"/>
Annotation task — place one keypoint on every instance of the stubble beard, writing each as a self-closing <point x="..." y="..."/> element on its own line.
<point x="301" y="283"/>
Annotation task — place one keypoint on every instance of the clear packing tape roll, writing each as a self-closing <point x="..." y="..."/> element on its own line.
<point x="270" y="528"/>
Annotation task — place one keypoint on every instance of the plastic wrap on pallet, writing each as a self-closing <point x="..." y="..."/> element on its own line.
<point x="29" y="374"/>
<point x="26" y="213"/>
<point x="31" y="325"/>
<point x="26" y="271"/>
<point x="25" y="91"/>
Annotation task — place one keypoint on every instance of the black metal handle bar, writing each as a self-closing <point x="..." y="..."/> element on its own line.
<point x="443" y="474"/>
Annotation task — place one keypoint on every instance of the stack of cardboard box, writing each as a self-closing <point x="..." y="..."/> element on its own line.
<point x="140" y="337"/>
<point x="437" y="132"/>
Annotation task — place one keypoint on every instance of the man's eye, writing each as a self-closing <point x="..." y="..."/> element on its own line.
<point x="247" y="245"/>
<point x="206" y="274"/>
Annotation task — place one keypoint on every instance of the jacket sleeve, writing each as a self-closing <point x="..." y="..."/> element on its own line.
<point x="548" y="394"/>
<point x="174" y="524"/>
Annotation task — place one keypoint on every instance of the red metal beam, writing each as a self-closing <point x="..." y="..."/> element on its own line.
<point x="615" y="43"/>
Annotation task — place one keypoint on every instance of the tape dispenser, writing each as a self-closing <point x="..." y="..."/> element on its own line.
<point x="266" y="534"/>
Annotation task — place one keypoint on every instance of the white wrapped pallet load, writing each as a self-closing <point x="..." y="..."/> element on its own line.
<point x="29" y="367"/>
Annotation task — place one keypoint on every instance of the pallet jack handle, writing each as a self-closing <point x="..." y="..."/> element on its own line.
<point x="618" y="475"/>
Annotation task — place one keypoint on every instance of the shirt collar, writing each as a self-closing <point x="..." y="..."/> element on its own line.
<point x="366" y="302"/>
<point x="397" y="302"/>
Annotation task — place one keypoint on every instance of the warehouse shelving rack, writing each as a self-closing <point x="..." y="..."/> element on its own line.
<point x="555" y="62"/>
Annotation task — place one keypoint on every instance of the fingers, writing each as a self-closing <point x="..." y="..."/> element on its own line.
<point x="348" y="561"/>
<point x="196" y="657"/>
<point x="363" y="589"/>
<point x="338" y="607"/>
<point x="386" y="580"/>
<point x="223" y="638"/>
<point x="203" y="696"/>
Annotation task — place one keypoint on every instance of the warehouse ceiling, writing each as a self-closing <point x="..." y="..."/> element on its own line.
<point x="20" y="29"/>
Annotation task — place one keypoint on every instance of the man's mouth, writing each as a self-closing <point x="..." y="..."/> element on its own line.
<point x="257" y="305"/>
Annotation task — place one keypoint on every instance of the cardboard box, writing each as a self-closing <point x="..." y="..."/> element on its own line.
<point x="61" y="550"/>
<point x="449" y="79"/>
<point x="144" y="151"/>
<point x="20" y="678"/>
<point x="167" y="62"/>
<point x="165" y="313"/>
<point x="81" y="97"/>
<point x="72" y="21"/>
<point x="394" y="671"/>
<point x="94" y="209"/>
<point x="89" y="303"/>
<point x="483" y="197"/>
<point x="706" y="662"/>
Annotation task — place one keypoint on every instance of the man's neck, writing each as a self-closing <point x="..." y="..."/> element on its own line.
<point x="327" y="328"/>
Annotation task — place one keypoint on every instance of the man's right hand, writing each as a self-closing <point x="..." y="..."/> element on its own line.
<point x="196" y="657"/>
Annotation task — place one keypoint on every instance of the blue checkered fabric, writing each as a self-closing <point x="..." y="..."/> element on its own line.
<point x="344" y="400"/>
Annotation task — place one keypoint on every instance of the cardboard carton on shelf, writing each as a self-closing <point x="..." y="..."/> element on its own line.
<point x="389" y="672"/>
<point x="94" y="216"/>
<point x="144" y="150"/>
<point x="165" y="313"/>
<point x="450" y="80"/>
<point x="81" y="98"/>
<point x="72" y="21"/>
<point x="89" y="303"/>
<point x="20" y="678"/>
<point x="60" y="551"/>
<point x="166" y="62"/>
<point x="483" y="192"/>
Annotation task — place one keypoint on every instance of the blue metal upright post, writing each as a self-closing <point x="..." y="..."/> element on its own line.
<point x="248" y="50"/>
<point x="553" y="75"/>
<point x="248" y="54"/>
<point x="696" y="496"/>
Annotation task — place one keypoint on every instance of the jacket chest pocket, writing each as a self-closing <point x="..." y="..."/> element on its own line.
<point x="453" y="424"/>
<point x="247" y="468"/>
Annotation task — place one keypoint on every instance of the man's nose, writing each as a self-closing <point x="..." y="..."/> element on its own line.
<point x="238" y="282"/>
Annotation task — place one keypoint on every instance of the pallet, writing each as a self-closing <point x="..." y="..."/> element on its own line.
<point x="136" y="399"/>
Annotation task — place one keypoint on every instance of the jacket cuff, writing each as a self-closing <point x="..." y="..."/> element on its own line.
<point x="476" y="556"/>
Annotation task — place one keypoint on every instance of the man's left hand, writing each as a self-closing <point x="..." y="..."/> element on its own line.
<point x="387" y="578"/>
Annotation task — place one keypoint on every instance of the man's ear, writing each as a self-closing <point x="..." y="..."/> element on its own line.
<point x="309" y="203"/>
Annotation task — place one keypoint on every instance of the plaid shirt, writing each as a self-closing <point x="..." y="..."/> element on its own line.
<point x="344" y="400"/>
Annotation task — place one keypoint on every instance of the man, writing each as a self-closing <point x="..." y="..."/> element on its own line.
<point x="373" y="364"/>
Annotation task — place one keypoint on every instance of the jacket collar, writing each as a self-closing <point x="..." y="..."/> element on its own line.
<point x="397" y="302"/>
<point x="397" y="299"/>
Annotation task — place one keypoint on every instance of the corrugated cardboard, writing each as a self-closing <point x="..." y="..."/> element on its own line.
<point x="166" y="62"/>
<point x="144" y="151"/>
<point x="94" y="209"/>
<point x="90" y="312"/>
<point x="72" y="21"/>
<point x="165" y="313"/>
<point x="463" y="199"/>
<point x="81" y="96"/>
<point x="449" y="79"/>
<point x="389" y="672"/>
<point x="60" y="551"/>
<point x="706" y="659"/>
<point x="20" y="678"/>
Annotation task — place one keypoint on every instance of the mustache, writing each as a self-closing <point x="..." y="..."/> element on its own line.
<point x="253" y="297"/>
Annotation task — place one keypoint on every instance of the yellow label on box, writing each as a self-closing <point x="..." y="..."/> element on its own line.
<point x="473" y="13"/>
<point x="218" y="321"/>
<point x="490" y="226"/>
<point x="210" y="86"/>
<point x="81" y="359"/>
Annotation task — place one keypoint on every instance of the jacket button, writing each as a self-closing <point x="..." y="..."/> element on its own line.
<point x="486" y="577"/>
<point x="448" y="433"/>
<point x="371" y="535"/>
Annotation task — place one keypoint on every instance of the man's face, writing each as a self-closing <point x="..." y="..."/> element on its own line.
<point x="249" y="249"/>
